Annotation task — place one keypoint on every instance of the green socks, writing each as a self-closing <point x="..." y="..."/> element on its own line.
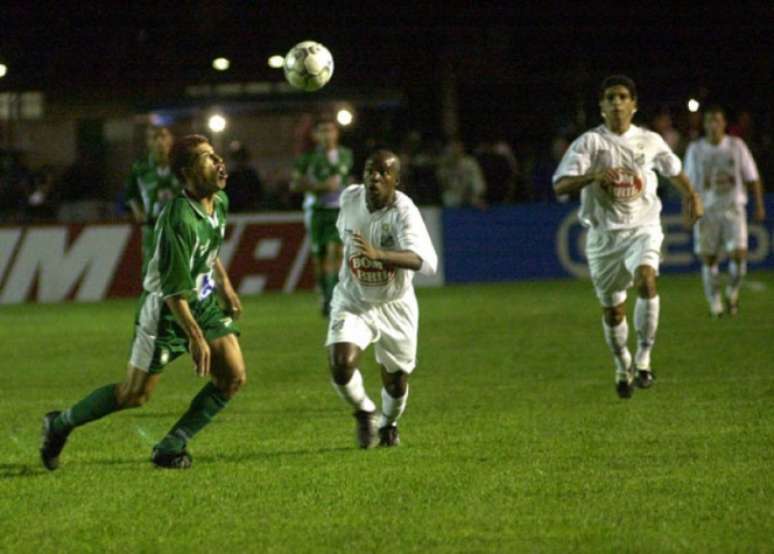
<point x="204" y="407"/>
<point x="98" y="404"/>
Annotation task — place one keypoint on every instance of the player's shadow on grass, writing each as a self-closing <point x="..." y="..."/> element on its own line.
<point x="16" y="471"/>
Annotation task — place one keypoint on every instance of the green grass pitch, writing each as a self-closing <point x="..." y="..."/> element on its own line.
<point x="514" y="439"/>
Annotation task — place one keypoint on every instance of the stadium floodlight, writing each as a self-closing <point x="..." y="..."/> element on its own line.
<point x="216" y="123"/>
<point x="276" y="61"/>
<point x="221" y="64"/>
<point x="3" y="70"/>
<point x="344" y="117"/>
<point x="693" y="105"/>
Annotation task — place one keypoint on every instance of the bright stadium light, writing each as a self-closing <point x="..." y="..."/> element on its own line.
<point x="221" y="64"/>
<point x="344" y="117"/>
<point x="216" y="123"/>
<point x="276" y="61"/>
<point x="693" y="105"/>
<point x="3" y="70"/>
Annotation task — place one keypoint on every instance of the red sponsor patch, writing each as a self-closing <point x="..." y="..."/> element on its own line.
<point x="370" y="273"/>
<point x="628" y="187"/>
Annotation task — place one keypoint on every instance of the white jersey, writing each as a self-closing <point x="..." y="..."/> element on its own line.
<point x="719" y="172"/>
<point x="631" y="202"/>
<point x="395" y="227"/>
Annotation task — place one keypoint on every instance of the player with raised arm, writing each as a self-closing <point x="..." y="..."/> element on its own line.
<point x="321" y="175"/>
<point x="177" y="312"/>
<point x="613" y="166"/>
<point x="721" y="167"/>
<point x="151" y="184"/>
<point x="385" y="243"/>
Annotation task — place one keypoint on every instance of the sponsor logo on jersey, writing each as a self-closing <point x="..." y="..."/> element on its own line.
<point x="370" y="273"/>
<point x="627" y="188"/>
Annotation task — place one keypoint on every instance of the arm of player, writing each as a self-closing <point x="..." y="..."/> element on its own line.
<point x="692" y="204"/>
<point x="197" y="345"/>
<point x="757" y="191"/>
<point x="571" y="185"/>
<point x="137" y="212"/>
<point x="226" y="291"/>
<point x="404" y="259"/>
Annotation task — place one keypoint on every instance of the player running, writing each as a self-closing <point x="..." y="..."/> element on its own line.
<point x="151" y="185"/>
<point x="177" y="313"/>
<point x="322" y="174"/>
<point x="385" y="242"/>
<point x="613" y="166"/>
<point x="721" y="166"/>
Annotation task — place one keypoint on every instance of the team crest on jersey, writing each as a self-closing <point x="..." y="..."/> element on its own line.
<point x="387" y="240"/>
<point x="639" y="159"/>
<point x="628" y="187"/>
<point x="368" y="272"/>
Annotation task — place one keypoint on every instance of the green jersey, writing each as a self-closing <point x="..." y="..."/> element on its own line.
<point x="186" y="242"/>
<point x="317" y="166"/>
<point x="152" y="187"/>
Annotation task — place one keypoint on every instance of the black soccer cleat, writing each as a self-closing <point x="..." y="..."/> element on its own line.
<point x="644" y="379"/>
<point x="625" y="386"/>
<point x="389" y="436"/>
<point x="52" y="443"/>
<point x="365" y="431"/>
<point x="171" y="460"/>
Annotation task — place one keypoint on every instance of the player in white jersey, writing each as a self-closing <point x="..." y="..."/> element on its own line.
<point x="613" y="166"/>
<point x="721" y="166"/>
<point x="385" y="243"/>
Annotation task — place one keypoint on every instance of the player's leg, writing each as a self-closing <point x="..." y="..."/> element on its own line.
<point x="735" y="232"/>
<point x="331" y="265"/>
<point x="319" y="257"/>
<point x="395" y="391"/>
<point x="616" y="332"/>
<point x="706" y="239"/>
<point x="396" y="351"/>
<point x="646" y="314"/>
<point x="228" y="376"/>
<point x="344" y="360"/>
<point x="134" y="391"/>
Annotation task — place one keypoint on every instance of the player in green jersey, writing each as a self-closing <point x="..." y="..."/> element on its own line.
<point x="151" y="185"/>
<point x="322" y="174"/>
<point x="178" y="312"/>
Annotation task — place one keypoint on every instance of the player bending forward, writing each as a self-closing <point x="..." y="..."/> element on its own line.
<point x="720" y="166"/>
<point x="613" y="167"/>
<point x="385" y="242"/>
<point x="177" y="312"/>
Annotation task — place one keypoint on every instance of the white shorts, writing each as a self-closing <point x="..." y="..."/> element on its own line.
<point x="614" y="256"/>
<point x="392" y="327"/>
<point x="720" y="229"/>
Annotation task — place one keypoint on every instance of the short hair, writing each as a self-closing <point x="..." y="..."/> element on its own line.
<point x="385" y="153"/>
<point x="183" y="153"/>
<point x="618" y="80"/>
<point x="715" y="108"/>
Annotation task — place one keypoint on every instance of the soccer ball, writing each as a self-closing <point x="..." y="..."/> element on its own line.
<point x="308" y="66"/>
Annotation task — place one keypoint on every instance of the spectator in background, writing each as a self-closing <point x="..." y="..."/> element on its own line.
<point x="42" y="195"/>
<point x="542" y="177"/>
<point x="462" y="182"/>
<point x="15" y="183"/>
<point x="662" y="124"/>
<point x="82" y="190"/>
<point x="425" y="189"/>
<point x="245" y="189"/>
<point x="500" y="170"/>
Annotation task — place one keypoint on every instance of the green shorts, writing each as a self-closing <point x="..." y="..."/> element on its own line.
<point x="159" y="339"/>
<point x="322" y="230"/>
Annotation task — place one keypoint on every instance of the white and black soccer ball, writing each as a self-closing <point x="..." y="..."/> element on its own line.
<point x="308" y="66"/>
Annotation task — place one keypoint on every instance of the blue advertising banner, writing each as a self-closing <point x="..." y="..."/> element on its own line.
<point x="534" y="241"/>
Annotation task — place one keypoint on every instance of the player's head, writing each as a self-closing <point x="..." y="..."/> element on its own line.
<point x="196" y="164"/>
<point x="381" y="177"/>
<point x="618" y="101"/>
<point x="326" y="132"/>
<point x="159" y="142"/>
<point x="714" y="122"/>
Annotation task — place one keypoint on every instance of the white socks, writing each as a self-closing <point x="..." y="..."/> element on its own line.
<point x="392" y="408"/>
<point x="354" y="393"/>
<point x="710" y="276"/>
<point x="736" y="272"/>
<point x="646" y="322"/>
<point x="616" y="338"/>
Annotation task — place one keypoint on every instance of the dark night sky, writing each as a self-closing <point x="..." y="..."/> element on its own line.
<point x="512" y="65"/>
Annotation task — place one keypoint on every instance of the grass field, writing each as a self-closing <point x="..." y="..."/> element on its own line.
<point x="514" y="439"/>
